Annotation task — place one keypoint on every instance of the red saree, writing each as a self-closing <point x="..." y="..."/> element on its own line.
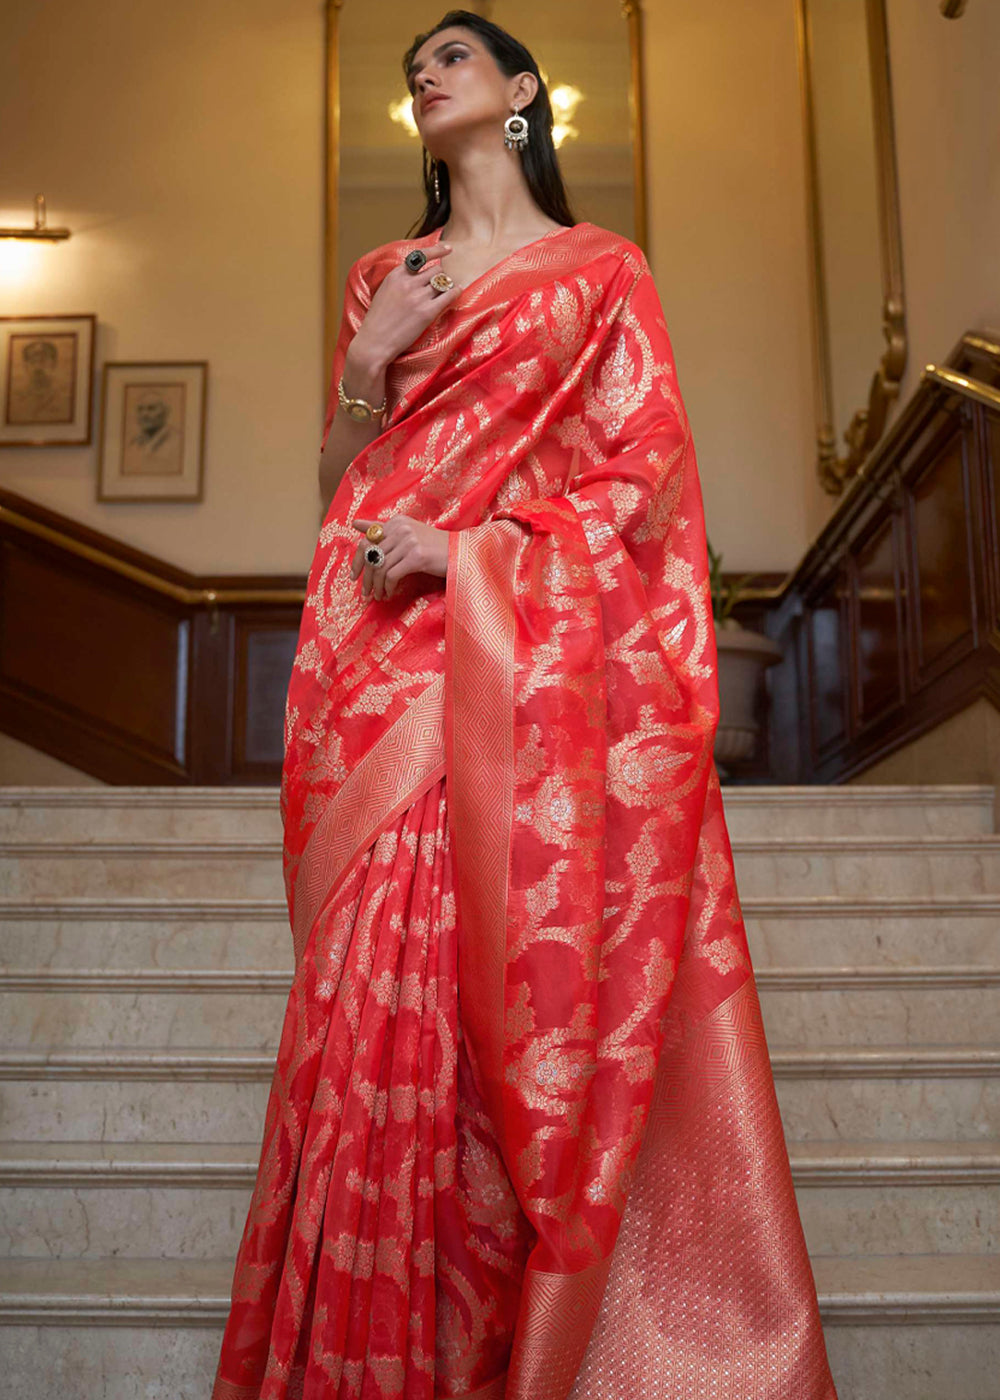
<point x="522" y="1139"/>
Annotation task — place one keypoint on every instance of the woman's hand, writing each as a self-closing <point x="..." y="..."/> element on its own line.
<point x="402" y="308"/>
<point x="410" y="547"/>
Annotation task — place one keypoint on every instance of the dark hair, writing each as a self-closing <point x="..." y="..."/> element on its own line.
<point x="538" y="159"/>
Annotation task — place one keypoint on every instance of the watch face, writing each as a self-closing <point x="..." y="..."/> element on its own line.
<point x="359" y="411"/>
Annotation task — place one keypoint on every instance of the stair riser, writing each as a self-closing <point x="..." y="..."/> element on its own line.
<point x="767" y="817"/>
<point x="254" y="943"/>
<point x="252" y="1020"/>
<point x="142" y="877"/>
<point x="914" y="1363"/>
<point x="131" y="820"/>
<point x="889" y="1110"/>
<point x="152" y="1363"/>
<point x="852" y="1220"/>
<point x="138" y="943"/>
<point x="868" y="874"/>
<point x="148" y="1020"/>
<point x="132" y="1111"/>
<point x="894" y="1016"/>
<point x="861" y="874"/>
<point x="224" y="815"/>
<point x="813" y="1110"/>
<point x="110" y="1363"/>
<point x="849" y="941"/>
<point x="207" y="1222"/>
<point x="100" y="1223"/>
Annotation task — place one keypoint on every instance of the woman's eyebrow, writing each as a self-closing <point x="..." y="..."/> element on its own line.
<point x="436" y="54"/>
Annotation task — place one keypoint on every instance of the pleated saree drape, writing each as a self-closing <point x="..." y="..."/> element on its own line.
<point x="522" y="1139"/>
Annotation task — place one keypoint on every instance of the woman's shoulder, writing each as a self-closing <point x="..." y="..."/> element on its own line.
<point x="596" y="241"/>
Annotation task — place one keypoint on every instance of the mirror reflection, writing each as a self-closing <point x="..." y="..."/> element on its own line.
<point x="584" y="56"/>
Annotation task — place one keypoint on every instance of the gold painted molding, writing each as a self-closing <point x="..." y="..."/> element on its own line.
<point x="868" y="423"/>
<point x="963" y="384"/>
<point x="631" y="11"/>
<point x="190" y="597"/>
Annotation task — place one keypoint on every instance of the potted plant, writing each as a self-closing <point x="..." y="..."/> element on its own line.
<point x="743" y="658"/>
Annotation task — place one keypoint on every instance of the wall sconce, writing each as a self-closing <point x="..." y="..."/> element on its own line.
<point x="41" y="229"/>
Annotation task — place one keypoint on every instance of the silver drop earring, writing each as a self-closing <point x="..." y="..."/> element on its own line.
<point x="515" y="132"/>
<point x="437" y="184"/>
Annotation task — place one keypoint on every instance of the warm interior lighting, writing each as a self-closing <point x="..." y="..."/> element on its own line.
<point x="20" y="263"/>
<point x="402" y="113"/>
<point x="41" y="228"/>
<point x="565" y="99"/>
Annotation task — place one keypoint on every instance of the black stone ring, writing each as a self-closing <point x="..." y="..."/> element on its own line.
<point x="375" y="556"/>
<point x="415" y="260"/>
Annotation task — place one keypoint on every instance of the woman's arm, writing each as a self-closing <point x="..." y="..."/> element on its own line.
<point x="372" y="334"/>
<point x="364" y="378"/>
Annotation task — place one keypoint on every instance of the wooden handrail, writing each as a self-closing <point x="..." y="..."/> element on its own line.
<point x="963" y="384"/>
<point x="193" y="595"/>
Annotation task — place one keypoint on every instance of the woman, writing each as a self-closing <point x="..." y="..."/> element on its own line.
<point x="522" y="1138"/>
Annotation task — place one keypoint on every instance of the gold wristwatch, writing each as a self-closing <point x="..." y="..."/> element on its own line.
<point x="359" y="409"/>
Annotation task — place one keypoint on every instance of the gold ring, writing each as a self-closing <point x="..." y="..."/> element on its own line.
<point x="441" y="282"/>
<point x="375" y="533"/>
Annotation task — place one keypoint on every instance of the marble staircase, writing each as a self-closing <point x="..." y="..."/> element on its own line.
<point x="144" y="965"/>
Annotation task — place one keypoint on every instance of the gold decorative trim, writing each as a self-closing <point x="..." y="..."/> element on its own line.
<point x="190" y="597"/>
<point x="331" y="280"/>
<point x="963" y="384"/>
<point x="868" y="423"/>
<point x="479" y="742"/>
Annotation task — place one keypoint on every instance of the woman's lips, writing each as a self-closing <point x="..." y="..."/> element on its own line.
<point x="440" y="97"/>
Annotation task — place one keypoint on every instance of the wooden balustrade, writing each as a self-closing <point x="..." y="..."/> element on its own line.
<point x="891" y="622"/>
<point x="135" y="671"/>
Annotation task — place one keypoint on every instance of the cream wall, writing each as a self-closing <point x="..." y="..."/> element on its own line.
<point x="182" y="145"/>
<point x="946" y="80"/>
<point x="728" y="249"/>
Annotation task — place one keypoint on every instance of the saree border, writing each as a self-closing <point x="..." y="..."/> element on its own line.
<point x="479" y="745"/>
<point x="403" y="764"/>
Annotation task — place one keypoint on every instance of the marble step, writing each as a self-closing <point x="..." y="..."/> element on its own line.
<point x="946" y="810"/>
<point x="225" y="813"/>
<point x="97" y="1200"/>
<point x="238" y="934"/>
<point x="178" y="1007"/>
<point x="870" y="866"/>
<point x="113" y="1327"/>
<point x="888" y="1093"/>
<point x="204" y="933"/>
<point x="170" y="1009"/>
<point x="823" y="930"/>
<point x="198" y="814"/>
<point x="895" y="1093"/>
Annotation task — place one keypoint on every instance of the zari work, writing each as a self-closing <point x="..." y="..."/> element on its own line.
<point x="522" y="1140"/>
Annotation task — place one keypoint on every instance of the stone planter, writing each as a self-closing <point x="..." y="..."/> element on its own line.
<point x="743" y="658"/>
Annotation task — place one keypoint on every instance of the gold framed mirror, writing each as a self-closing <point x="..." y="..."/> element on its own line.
<point x="859" y="315"/>
<point x="591" y="59"/>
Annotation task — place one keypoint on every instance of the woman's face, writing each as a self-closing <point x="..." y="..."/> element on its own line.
<point x="456" y="69"/>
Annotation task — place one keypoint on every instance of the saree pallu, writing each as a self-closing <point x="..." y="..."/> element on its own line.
<point x="522" y="1139"/>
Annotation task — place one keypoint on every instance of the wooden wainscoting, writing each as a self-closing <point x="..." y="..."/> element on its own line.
<point x="134" y="671"/>
<point x="891" y="623"/>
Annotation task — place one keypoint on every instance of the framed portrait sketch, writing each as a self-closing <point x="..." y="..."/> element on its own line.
<point x="152" y="441"/>
<point x="47" y="369"/>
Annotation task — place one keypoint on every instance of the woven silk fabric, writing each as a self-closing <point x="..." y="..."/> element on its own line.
<point x="522" y="1139"/>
